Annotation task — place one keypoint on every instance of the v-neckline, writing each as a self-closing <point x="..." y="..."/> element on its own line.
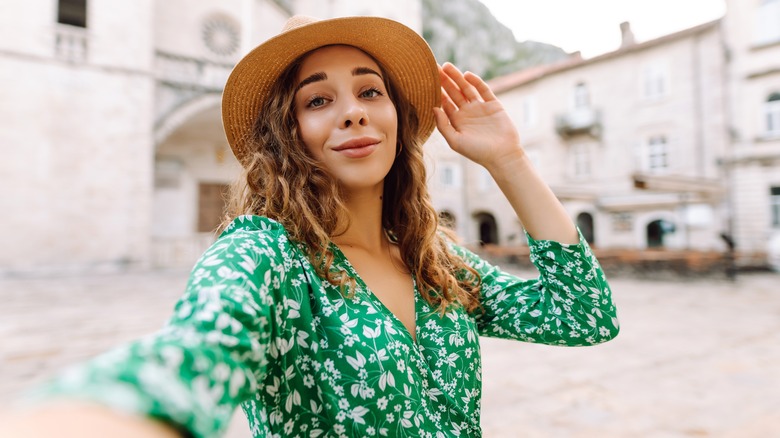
<point x="377" y="302"/>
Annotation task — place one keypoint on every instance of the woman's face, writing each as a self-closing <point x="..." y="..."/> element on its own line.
<point x="345" y="116"/>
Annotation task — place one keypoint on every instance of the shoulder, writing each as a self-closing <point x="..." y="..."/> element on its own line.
<point x="250" y="241"/>
<point x="248" y="227"/>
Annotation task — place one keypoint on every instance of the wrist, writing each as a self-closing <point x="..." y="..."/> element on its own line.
<point x="511" y="163"/>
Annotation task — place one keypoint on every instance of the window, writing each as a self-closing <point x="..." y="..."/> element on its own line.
<point x="655" y="79"/>
<point x="221" y="35"/>
<point x="529" y="116"/>
<point x="774" y="206"/>
<point x="581" y="159"/>
<point x="72" y="12"/>
<point x="768" y="22"/>
<point x="772" y="114"/>
<point x="447" y="219"/>
<point x="657" y="153"/>
<point x="622" y="221"/>
<point x="581" y="96"/>
<point x="450" y="175"/>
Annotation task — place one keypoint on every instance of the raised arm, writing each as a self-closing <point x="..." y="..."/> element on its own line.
<point x="475" y="124"/>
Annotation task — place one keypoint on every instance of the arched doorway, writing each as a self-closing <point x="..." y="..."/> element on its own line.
<point x="488" y="228"/>
<point x="656" y="230"/>
<point x="447" y="219"/>
<point x="585" y="224"/>
<point x="192" y="169"/>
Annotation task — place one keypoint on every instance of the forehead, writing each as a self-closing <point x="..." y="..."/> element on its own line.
<point x="336" y="56"/>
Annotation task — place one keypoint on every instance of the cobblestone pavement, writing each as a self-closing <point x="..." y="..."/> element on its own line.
<point x="694" y="358"/>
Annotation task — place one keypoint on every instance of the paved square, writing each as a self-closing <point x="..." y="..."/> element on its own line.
<point x="694" y="358"/>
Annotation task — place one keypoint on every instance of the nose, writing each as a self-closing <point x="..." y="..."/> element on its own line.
<point x="355" y="112"/>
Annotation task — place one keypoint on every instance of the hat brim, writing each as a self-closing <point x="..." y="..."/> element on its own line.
<point x="403" y="53"/>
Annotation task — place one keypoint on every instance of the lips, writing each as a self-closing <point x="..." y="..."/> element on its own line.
<point x="358" y="147"/>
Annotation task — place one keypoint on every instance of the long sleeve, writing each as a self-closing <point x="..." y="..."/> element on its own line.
<point x="570" y="303"/>
<point x="208" y="358"/>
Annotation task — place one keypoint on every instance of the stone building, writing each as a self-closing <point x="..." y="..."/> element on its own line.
<point x="668" y="143"/>
<point x="114" y="155"/>
<point x="629" y="141"/>
<point x="752" y="42"/>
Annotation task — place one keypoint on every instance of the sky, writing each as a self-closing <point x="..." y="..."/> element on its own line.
<point x="593" y="26"/>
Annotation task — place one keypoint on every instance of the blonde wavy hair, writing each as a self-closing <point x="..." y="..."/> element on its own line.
<point x="282" y="181"/>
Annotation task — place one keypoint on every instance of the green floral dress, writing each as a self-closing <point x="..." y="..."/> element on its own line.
<point x="257" y="327"/>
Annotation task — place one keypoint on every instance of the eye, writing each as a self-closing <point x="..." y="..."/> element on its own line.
<point x="371" y="93"/>
<point x="315" y="102"/>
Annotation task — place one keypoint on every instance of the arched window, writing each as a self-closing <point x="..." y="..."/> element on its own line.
<point x="488" y="228"/>
<point x="72" y="12"/>
<point x="585" y="224"/>
<point x="656" y="230"/>
<point x="447" y="219"/>
<point x="772" y="114"/>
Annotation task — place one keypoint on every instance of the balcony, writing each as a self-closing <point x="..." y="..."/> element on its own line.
<point x="581" y="121"/>
<point x="194" y="73"/>
<point x="182" y="80"/>
<point x="71" y="43"/>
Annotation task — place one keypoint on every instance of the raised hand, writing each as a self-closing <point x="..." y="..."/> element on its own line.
<point x="473" y="121"/>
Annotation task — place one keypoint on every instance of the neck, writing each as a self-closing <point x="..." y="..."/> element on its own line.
<point x="364" y="210"/>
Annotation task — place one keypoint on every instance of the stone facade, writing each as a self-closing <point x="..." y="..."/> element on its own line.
<point x="115" y="156"/>
<point x="752" y="40"/>
<point x="76" y="109"/>
<point x="666" y="143"/>
<point x="647" y="115"/>
<point x="110" y="124"/>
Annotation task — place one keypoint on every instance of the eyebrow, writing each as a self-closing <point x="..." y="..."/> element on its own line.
<point x="321" y="76"/>
<point x="316" y="77"/>
<point x="365" y="71"/>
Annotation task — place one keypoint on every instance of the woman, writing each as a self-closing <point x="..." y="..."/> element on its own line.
<point x="333" y="304"/>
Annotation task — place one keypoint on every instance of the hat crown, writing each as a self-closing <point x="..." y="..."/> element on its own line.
<point x="297" y="21"/>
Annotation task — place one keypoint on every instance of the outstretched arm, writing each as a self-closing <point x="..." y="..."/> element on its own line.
<point x="80" y="420"/>
<point x="477" y="126"/>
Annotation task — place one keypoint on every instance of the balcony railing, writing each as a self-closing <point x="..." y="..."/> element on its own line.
<point x="579" y="121"/>
<point x="70" y="43"/>
<point x="183" y="71"/>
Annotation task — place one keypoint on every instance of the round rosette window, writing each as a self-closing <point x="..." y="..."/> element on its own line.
<point x="221" y="35"/>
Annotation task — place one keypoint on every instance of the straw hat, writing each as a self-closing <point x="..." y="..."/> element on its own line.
<point x="405" y="56"/>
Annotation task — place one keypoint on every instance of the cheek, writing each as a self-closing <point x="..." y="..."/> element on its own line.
<point x="309" y="135"/>
<point x="390" y="121"/>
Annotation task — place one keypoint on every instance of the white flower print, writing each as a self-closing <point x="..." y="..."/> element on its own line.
<point x="257" y="327"/>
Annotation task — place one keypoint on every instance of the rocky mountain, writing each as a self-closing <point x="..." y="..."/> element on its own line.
<point x="467" y="34"/>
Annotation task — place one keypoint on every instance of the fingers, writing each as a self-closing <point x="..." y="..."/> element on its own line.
<point x="455" y="84"/>
<point x="482" y="88"/>
<point x="449" y="107"/>
<point x="443" y="123"/>
<point x="451" y="89"/>
<point x="462" y="88"/>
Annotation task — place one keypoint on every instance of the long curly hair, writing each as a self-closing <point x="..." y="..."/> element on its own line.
<point x="281" y="180"/>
